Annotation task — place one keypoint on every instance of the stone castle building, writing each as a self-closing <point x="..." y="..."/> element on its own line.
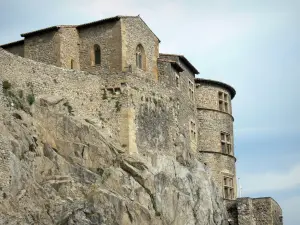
<point x="159" y="103"/>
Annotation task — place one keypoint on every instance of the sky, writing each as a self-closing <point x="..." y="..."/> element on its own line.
<point x="253" y="45"/>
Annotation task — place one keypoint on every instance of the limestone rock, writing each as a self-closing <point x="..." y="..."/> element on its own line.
<point x="79" y="177"/>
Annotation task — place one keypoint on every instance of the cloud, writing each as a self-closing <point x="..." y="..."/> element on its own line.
<point x="271" y="181"/>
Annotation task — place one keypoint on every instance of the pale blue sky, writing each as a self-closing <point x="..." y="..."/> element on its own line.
<point x="252" y="45"/>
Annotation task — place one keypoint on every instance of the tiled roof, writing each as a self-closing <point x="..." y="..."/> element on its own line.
<point x="190" y="66"/>
<point x="12" y="43"/>
<point x="218" y="83"/>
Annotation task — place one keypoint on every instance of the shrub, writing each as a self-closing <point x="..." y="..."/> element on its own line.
<point x="30" y="98"/>
<point x="6" y="85"/>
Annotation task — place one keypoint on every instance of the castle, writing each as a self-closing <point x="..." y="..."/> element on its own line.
<point x="159" y="103"/>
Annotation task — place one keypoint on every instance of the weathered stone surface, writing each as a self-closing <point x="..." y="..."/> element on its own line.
<point x="77" y="177"/>
<point x="57" y="168"/>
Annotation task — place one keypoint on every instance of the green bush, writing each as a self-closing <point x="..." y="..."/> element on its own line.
<point x="30" y="99"/>
<point x="6" y="85"/>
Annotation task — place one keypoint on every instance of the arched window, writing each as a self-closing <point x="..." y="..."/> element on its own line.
<point x="72" y="63"/>
<point x="140" y="57"/>
<point x="97" y="54"/>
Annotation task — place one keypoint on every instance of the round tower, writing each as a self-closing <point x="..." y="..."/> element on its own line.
<point x="215" y="146"/>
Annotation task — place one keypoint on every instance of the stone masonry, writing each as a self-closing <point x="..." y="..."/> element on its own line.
<point x="156" y="106"/>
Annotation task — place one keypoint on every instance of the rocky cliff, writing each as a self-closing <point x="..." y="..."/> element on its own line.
<point x="58" y="167"/>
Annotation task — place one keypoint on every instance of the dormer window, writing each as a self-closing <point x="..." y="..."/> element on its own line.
<point x="140" y="57"/>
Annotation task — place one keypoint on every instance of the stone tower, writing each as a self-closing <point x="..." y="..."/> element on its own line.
<point x="215" y="133"/>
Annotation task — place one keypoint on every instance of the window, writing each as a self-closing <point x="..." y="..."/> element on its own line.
<point x="97" y="54"/>
<point x="140" y="57"/>
<point x="193" y="133"/>
<point x="226" y="143"/>
<point x="223" y="102"/>
<point x="191" y="90"/>
<point x="72" y="64"/>
<point x="177" y="79"/>
<point x="228" y="187"/>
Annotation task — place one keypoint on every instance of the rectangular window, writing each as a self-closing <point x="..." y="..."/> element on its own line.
<point x="223" y="102"/>
<point x="226" y="143"/>
<point x="191" y="90"/>
<point x="228" y="190"/>
<point x="193" y="132"/>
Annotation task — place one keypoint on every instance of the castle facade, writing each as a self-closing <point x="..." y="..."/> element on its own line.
<point x="159" y="102"/>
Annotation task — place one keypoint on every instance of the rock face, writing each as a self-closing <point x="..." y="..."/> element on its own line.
<point x="58" y="168"/>
<point x="82" y="178"/>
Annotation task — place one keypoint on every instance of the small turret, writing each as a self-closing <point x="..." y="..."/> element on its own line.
<point x="215" y="133"/>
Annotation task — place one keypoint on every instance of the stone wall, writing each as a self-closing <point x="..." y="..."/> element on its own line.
<point x="246" y="212"/>
<point x="207" y="96"/>
<point x="108" y="36"/>
<point x="184" y="104"/>
<point x="162" y="115"/>
<point x="44" y="47"/>
<point x="254" y="211"/>
<point x="267" y="211"/>
<point x="276" y="213"/>
<point x="92" y="98"/>
<point x="16" y="49"/>
<point x="231" y="206"/>
<point x="69" y="47"/>
<point x="135" y="32"/>
<point x="220" y="165"/>
<point x="211" y="124"/>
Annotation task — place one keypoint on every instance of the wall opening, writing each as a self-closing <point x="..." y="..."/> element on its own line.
<point x="228" y="190"/>
<point x="97" y="54"/>
<point x="140" y="57"/>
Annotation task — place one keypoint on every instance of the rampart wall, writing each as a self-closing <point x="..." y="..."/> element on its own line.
<point x="43" y="48"/>
<point x="97" y="99"/>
